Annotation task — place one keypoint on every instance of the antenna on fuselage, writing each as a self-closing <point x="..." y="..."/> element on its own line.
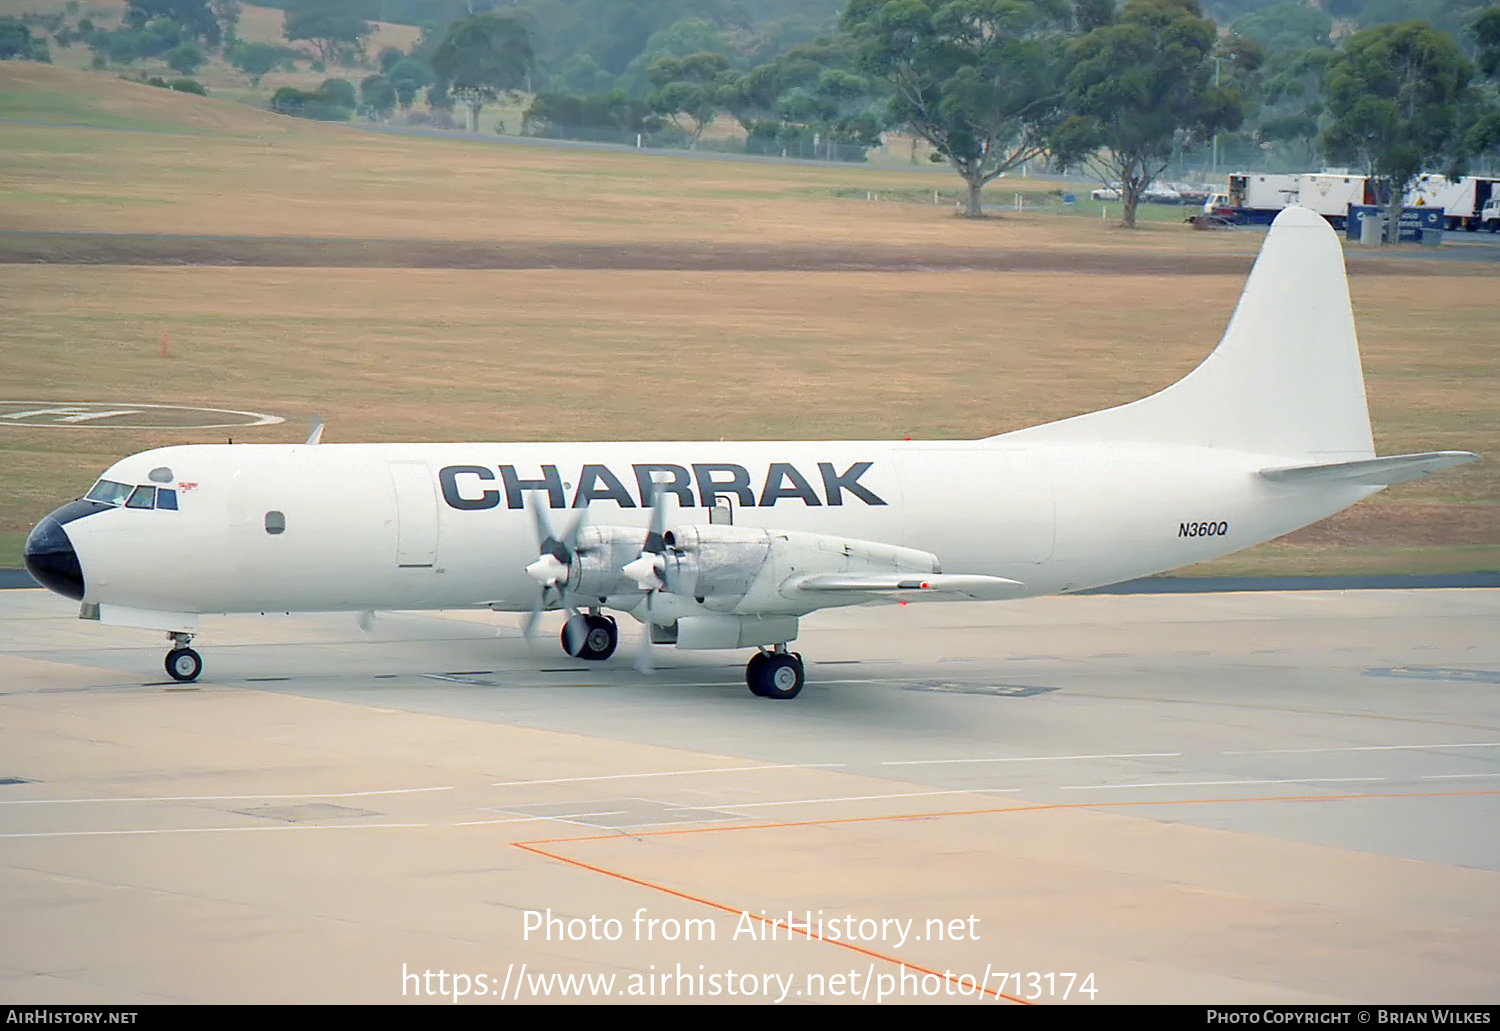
<point x="315" y="435"/>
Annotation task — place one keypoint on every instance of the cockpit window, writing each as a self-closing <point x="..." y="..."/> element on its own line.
<point x="142" y="497"/>
<point x="166" y="498"/>
<point x="107" y="492"/>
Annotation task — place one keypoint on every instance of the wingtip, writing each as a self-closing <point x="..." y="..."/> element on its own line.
<point x="1297" y="217"/>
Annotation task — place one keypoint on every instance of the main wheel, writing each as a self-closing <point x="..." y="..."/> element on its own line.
<point x="753" y="674"/>
<point x="592" y="638"/>
<point x="184" y="664"/>
<point x="599" y="640"/>
<point x="778" y="675"/>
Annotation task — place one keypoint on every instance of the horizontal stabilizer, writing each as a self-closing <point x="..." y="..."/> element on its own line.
<point x="979" y="588"/>
<point x="1372" y="472"/>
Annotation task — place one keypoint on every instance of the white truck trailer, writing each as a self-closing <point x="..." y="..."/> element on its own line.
<point x="1256" y="198"/>
<point x="1463" y="200"/>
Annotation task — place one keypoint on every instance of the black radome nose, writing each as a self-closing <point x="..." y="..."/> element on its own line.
<point x="51" y="560"/>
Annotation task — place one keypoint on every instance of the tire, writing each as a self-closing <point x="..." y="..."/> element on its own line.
<point x="602" y="634"/>
<point x="596" y="637"/>
<point x="183" y="665"/>
<point x="752" y="673"/>
<point x="779" y="676"/>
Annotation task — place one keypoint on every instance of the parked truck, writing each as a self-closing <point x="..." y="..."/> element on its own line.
<point x="1463" y="201"/>
<point x="1256" y="199"/>
<point x="1489" y="217"/>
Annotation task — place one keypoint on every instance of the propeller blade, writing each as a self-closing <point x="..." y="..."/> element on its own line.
<point x="574" y="633"/>
<point x="645" y="659"/>
<point x="533" y="618"/>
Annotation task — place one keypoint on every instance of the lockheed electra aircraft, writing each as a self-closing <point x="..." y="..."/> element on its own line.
<point x="727" y="545"/>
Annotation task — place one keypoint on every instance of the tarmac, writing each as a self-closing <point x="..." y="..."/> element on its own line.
<point x="1247" y="797"/>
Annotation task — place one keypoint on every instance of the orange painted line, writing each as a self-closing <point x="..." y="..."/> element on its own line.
<point x="533" y="847"/>
<point x="791" y="929"/>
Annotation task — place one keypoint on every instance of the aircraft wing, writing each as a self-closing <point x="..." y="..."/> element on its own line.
<point x="1374" y="472"/>
<point x="908" y="587"/>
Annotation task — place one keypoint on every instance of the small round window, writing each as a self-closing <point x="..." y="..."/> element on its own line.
<point x="275" y="522"/>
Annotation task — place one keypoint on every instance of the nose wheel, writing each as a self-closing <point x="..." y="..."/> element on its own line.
<point x="183" y="664"/>
<point x="775" y="674"/>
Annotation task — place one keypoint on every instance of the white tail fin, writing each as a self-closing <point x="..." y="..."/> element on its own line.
<point x="1285" y="379"/>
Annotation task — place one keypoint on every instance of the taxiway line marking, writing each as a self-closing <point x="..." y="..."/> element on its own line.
<point x="1362" y="748"/>
<point x="213" y="830"/>
<point x="668" y="773"/>
<point x="1029" y="807"/>
<point x="1033" y="758"/>
<point x="846" y="798"/>
<point x="789" y="928"/>
<point x="219" y="798"/>
<point x="1221" y="783"/>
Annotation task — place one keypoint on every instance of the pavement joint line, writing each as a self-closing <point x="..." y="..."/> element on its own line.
<point x="849" y="798"/>
<point x="220" y="798"/>
<point x="214" y="830"/>
<point x="1220" y="783"/>
<point x="675" y="827"/>
<point x="1032" y="758"/>
<point x="1361" y="748"/>
<point x="668" y="773"/>
<point x="1023" y="808"/>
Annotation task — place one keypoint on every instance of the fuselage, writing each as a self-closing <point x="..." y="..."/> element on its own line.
<point x="327" y="527"/>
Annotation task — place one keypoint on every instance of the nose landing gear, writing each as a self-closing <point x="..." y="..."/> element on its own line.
<point x="183" y="664"/>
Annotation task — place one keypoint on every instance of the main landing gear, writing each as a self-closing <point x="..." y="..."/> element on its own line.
<point x="775" y="673"/>
<point x="183" y="664"/>
<point x="590" y="636"/>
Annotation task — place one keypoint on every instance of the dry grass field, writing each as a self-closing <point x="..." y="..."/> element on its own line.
<point x="964" y="348"/>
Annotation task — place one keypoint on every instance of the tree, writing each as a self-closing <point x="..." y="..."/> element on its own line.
<point x="1286" y="26"/>
<point x="227" y="14"/>
<point x="377" y="96"/>
<point x="1487" y="36"/>
<point x="186" y="58"/>
<point x="1395" y="96"/>
<point x="16" y="41"/>
<point x="408" y="77"/>
<point x="1140" y="89"/>
<point x="256" y="59"/>
<point x="389" y="58"/>
<point x="195" y="17"/>
<point x="980" y="80"/>
<point x="339" y="93"/>
<point x="557" y="114"/>
<point x="483" y="56"/>
<point x="329" y="25"/>
<point x="690" y="88"/>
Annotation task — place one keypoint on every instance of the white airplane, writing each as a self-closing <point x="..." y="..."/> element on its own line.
<point x="726" y="545"/>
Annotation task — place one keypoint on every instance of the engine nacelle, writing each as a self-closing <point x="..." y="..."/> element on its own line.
<point x="742" y="569"/>
<point x="600" y="555"/>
